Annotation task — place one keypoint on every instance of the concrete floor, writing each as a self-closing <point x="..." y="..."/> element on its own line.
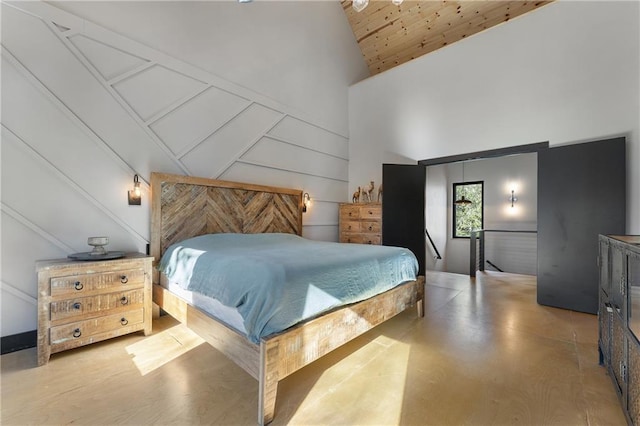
<point x="484" y="354"/>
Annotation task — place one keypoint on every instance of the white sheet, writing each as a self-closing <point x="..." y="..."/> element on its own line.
<point x="229" y="316"/>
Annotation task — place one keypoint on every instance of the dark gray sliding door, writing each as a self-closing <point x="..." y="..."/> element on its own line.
<point x="581" y="193"/>
<point x="403" y="208"/>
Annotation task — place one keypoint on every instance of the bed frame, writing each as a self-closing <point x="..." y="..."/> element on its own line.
<point x="184" y="207"/>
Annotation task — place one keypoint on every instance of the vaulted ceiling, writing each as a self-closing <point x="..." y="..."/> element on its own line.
<point x="390" y="35"/>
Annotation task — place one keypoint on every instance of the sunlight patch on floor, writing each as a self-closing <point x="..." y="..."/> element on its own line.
<point x="158" y="349"/>
<point x="364" y="379"/>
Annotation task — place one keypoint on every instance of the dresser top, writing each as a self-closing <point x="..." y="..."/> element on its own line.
<point x="51" y="264"/>
<point x="629" y="239"/>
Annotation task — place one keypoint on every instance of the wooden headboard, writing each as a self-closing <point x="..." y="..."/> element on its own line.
<point x="183" y="207"/>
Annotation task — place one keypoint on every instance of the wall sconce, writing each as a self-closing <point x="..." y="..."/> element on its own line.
<point x="306" y="202"/>
<point x="513" y="198"/>
<point x="135" y="196"/>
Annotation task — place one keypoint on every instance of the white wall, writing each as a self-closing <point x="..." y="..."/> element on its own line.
<point x="254" y="93"/>
<point x="565" y="73"/>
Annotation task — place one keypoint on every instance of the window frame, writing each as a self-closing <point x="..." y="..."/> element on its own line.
<point x="453" y="204"/>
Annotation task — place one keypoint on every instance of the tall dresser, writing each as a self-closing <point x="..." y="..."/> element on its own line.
<point x="361" y="223"/>
<point x="619" y="318"/>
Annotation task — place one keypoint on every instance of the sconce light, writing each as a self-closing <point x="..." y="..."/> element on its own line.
<point x="513" y="198"/>
<point x="135" y="196"/>
<point x="306" y="202"/>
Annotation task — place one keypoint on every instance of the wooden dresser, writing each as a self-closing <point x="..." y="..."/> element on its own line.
<point x="361" y="223"/>
<point x="82" y="302"/>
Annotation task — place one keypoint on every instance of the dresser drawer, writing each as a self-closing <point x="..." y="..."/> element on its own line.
<point x="348" y="213"/>
<point x="360" y="238"/>
<point x="95" y="304"/>
<point x="88" y="283"/>
<point x="370" y="212"/>
<point x="350" y="226"/>
<point x="370" y="227"/>
<point x="87" y="329"/>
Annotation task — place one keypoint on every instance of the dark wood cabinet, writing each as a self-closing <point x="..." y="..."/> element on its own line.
<point x="619" y="318"/>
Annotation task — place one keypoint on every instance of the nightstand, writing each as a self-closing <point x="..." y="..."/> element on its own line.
<point x="82" y="302"/>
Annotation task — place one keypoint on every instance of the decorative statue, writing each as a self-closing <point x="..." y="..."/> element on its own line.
<point x="365" y="195"/>
<point x="356" y="196"/>
<point x="370" y="191"/>
<point x="380" y="193"/>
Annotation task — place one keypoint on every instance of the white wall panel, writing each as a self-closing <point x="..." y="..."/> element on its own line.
<point x="285" y="156"/>
<point x="198" y="118"/>
<point x="319" y="211"/>
<point x="319" y="188"/>
<point x="86" y="108"/>
<point x="320" y="233"/>
<point x="53" y="202"/>
<point x="301" y="53"/>
<point x="18" y="315"/>
<point x="308" y="136"/>
<point x="21" y="247"/>
<point x="47" y="58"/>
<point x="110" y="62"/>
<point x="219" y="151"/>
<point x="156" y="88"/>
<point x="32" y="117"/>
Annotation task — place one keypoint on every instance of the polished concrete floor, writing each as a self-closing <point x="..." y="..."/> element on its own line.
<point x="484" y="354"/>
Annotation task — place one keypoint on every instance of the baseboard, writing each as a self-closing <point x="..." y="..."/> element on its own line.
<point x="18" y="342"/>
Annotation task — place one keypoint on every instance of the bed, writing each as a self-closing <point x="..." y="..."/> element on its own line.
<point x="184" y="207"/>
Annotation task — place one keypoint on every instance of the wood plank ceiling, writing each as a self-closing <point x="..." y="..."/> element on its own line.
<point x="390" y="35"/>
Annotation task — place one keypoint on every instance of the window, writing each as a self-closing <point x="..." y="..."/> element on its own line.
<point x="467" y="217"/>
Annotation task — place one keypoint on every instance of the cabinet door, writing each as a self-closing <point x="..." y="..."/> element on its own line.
<point x="618" y="354"/>
<point x="605" y="277"/>
<point x="618" y="272"/>
<point x="605" y="317"/>
<point x="633" y="393"/>
<point x="633" y="291"/>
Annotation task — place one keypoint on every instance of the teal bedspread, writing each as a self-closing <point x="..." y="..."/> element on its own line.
<point x="278" y="280"/>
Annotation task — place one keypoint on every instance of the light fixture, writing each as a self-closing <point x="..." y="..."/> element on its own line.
<point x="306" y="202"/>
<point x="462" y="201"/>
<point x="359" y="5"/>
<point x="135" y="196"/>
<point x="513" y="198"/>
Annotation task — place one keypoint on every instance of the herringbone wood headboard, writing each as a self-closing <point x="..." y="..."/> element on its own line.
<point x="184" y="207"/>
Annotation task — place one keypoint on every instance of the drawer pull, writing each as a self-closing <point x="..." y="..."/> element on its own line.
<point x="78" y="285"/>
<point x="124" y="300"/>
<point x="369" y="242"/>
<point x="371" y="228"/>
<point x="124" y="279"/>
<point x="77" y="333"/>
<point x="124" y="321"/>
<point x="370" y="212"/>
<point x="77" y="305"/>
<point x="349" y="227"/>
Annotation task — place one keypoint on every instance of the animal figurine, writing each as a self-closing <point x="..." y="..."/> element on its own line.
<point x="380" y="193"/>
<point x="356" y="196"/>
<point x="370" y="191"/>
<point x="365" y="195"/>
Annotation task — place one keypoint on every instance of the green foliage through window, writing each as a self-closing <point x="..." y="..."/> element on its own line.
<point x="467" y="217"/>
